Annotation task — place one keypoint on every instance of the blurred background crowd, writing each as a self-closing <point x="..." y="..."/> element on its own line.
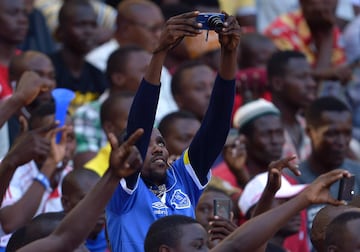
<point x="297" y="93"/>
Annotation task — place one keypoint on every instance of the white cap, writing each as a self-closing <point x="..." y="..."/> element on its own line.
<point x="255" y="187"/>
<point x="252" y="110"/>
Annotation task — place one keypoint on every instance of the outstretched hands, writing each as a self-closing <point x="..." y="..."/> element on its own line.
<point x="30" y="85"/>
<point x="274" y="172"/>
<point x="176" y="28"/>
<point x="229" y="35"/>
<point x="318" y="192"/>
<point x="20" y="153"/>
<point x="219" y="229"/>
<point x="125" y="159"/>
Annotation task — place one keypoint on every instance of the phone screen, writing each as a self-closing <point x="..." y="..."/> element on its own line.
<point x="346" y="189"/>
<point x="222" y="208"/>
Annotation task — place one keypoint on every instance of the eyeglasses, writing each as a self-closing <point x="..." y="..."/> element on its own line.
<point x="151" y="28"/>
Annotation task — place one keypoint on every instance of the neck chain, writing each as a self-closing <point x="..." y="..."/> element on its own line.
<point x="158" y="190"/>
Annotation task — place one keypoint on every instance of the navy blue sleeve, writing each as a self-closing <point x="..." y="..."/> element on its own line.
<point x="210" y="139"/>
<point x="142" y="115"/>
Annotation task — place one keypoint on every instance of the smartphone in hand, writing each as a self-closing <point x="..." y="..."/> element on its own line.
<point x="346" y="189"/>
<point x="222" y="208"/>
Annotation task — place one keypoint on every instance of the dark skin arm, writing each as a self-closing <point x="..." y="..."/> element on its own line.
<point x="20" y="154"/>
<point x="16" y="215"/>
<point x="75" y="228"/>
<point x="235" y="157"/>
<point x="274" y="183"/>
<point x="220" y="228"/>
<point x="272" y="186"/>
<point x="323" y="38"/>
<point x="253" y="234"/>
<point x="212" y="125"/>
<point x="28" y="88"/>
<point x="229" y="39"/>
<point x="176" y="28"/>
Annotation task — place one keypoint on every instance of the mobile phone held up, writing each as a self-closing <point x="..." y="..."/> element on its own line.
<point x="346" y="189"/>
<point x="211" y="21"/>
<point x="222" y="208"/>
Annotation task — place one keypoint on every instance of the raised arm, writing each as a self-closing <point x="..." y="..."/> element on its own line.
<point x="210" y="139"/>
<point x="29" y="86"/>
<point x="143" y="109"/>
<point x="274" y="183"/>
<point x="254" y="233"/>
<point x="272" y="186"/>
<point x="77" y="225"/>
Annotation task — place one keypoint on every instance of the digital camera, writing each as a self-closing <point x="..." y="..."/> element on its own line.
<point x="211" y="21"/>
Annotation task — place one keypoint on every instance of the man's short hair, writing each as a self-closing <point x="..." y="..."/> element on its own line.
<point x="75" y="178"/>
<point x="177" y="77"/>
<point x="124" y="8"/>
<point x="276" y="65"/>
<point x="168" y="120"/>
<point x="170" y="10"/>
<point x="166" y="231"/>
<point x="39" y="227"/>
<point x="336" y="231"/>
<point x="68" y="7"/>
<point x="320" y="105"/>
<point x="107" y="108"/>
<point x="119" y="58"/>
<point x="322" y="221"/>
<point x="42" y="110"/>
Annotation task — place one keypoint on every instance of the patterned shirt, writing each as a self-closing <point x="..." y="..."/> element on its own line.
<point x="291" y="32"/>
<point x="87" y="126"/>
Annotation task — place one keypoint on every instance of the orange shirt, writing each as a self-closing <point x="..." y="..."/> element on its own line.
<point x="291" y="32"/>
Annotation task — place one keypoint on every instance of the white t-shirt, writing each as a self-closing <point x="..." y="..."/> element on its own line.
<point x="20" y="183"/>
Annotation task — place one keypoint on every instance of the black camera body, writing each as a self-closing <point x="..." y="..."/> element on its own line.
<point x="211" y="21"/>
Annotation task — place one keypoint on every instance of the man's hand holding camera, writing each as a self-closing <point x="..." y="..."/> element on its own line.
<point x="176" y="28"/>
<point x="229" y="35"/>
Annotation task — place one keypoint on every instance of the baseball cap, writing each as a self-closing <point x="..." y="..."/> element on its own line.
<point x="255" y="187"/>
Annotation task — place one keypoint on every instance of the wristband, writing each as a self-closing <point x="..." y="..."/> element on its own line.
<point x="44" y="181"/>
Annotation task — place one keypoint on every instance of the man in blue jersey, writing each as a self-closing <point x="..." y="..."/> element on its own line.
<point x="161" y="190"/>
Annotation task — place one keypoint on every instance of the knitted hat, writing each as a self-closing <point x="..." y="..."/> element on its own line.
<point x="253" y="110"/>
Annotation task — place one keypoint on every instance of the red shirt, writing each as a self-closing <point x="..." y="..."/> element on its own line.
<point x="5" y="89"/>
<point x="291" y="32"/>
<point x="294" y="243"/>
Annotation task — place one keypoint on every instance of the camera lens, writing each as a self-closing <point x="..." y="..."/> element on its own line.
<point x="215" y="23"/>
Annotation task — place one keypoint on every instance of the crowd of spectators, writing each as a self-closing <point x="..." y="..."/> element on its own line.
<point x="177" y="137"/>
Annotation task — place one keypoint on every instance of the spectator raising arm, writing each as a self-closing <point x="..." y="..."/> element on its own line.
<point x="76" y="226"/>
<point x="142" y="113"/>
<point x="258" y="230"/>
<point x="211" y="137"/>
<point x="29" y="86"/>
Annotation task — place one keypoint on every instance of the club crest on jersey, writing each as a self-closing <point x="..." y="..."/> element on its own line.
<point x="180" y="200"/>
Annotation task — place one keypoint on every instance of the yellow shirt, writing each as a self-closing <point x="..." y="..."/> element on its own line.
<point x="232" y="6"/>
<point x="100" y="163"/>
